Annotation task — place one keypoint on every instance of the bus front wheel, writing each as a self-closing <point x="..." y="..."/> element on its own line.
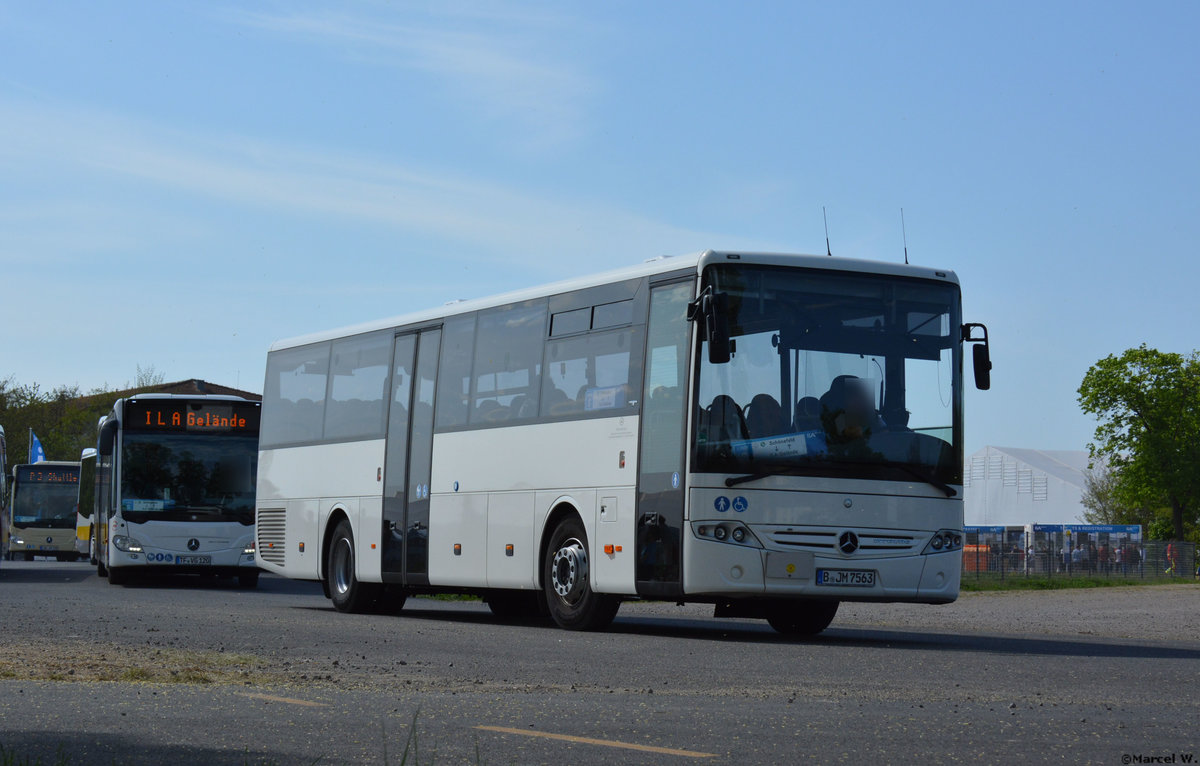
<point x="118" y="575"/>
<point x="568" y="584"/>
<point x="345" y="590"/>
<point x="806" y="618"/>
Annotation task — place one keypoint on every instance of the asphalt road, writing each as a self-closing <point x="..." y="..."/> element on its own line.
<point x="196" y="671"/>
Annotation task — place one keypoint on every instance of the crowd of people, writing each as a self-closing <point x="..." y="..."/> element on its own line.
<point x="1104" y="559"/>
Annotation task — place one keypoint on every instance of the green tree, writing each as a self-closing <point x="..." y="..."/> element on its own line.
<point x="1102" y="497"/>
<point x="1147" y="403"/>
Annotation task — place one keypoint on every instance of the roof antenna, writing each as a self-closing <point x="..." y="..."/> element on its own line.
<point x="827" y="250"/>
<point x="904" y="234"/>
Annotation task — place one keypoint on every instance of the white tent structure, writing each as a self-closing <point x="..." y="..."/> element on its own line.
<point x="1006" y="486"/>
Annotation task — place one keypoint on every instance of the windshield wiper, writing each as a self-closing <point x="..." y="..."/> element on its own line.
<point x="794" y="470"/>
<point x="212" y="509"/>
<point x="733" y="481"/>
<point x="928" y="479"/>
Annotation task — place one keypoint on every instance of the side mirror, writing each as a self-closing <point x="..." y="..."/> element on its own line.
<point x="711" y="312"/>
<point x="108" y="434"/>
<point x="982" y="362"/>
<point x="981" y="359"/>
<point x="716" y="322"/>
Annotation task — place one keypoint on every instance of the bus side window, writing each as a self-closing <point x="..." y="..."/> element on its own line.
<point x="454" y="371"/>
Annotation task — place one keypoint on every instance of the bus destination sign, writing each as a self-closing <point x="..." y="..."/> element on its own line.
<point x="31" y="475"/>
<point x="168" y="415"/>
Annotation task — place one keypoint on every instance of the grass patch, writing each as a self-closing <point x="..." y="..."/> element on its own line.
<point x="1020" y="582"/>
<point x="136" y="675"/>
<point x="70" y="661"/>
<point x="9" y="758"/>
<point x="450" y="597"/>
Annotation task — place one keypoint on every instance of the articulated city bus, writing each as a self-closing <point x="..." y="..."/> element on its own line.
<point x="175" y="487"/>
<point x="771" y="434"/>
<point x="41" y="520"/>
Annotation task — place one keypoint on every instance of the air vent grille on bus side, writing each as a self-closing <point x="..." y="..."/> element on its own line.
<point x="271" y="529"/>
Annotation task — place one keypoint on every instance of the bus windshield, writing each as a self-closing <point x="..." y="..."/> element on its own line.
<point x="45" y="497"/>
<point x="188" y="477"/>
<point x="832" y="374"/>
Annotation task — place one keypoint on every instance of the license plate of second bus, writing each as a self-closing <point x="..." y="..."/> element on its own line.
<point x="193" y="560"/>
<point x="852" y="578"/>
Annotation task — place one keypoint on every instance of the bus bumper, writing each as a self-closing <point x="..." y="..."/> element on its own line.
<point x="720" y="570"/>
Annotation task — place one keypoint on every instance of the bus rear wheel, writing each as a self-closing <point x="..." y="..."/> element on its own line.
<point x="804" y="618"/>
<point x="345" y="590"/>
<point x="568" y="584"/>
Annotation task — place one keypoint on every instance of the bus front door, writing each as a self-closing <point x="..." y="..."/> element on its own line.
<point x="407" y="466"/>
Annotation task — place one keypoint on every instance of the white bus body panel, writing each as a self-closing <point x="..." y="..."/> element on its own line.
<point x="314" y="482"/>
<point x="488" y="486"/>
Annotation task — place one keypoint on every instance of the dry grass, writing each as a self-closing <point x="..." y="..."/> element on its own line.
<point x="77" y="661"/>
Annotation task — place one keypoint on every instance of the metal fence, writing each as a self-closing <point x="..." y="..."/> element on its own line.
<point x="1117" y="559"/>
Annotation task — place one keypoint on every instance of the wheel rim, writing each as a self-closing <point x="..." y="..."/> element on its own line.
<point x="569" y="571"/>
<point x="342" y="566"/>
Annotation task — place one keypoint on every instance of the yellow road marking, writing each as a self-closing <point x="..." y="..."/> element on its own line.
<point x="601" y="742"/>
<point x="286" y="700"/>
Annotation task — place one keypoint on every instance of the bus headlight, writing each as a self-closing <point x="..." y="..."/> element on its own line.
<point x="18" y="541"/>
<point x="249" y="549"/>
<point x="126" y="544"/>
<point x="734" y="532"/>
<point x="943" y="541"/>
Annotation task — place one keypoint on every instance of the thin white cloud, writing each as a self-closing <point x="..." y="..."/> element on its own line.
<point x="460" y="214"/>
<point x="499" y="65"/>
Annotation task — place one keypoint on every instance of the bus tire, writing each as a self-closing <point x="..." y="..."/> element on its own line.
<point x="248" y="580"/>
<point x="118" y="575"/>
<point x="345" y="590"/>
<point x="29" y="557"/>
<point x="803" y="618"/>
<point x="101" y="570"/>
<point x="567" y="581"/>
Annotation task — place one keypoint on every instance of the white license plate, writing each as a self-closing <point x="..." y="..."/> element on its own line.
<point x="851" y="578"/>
<point x="194" y="560"/>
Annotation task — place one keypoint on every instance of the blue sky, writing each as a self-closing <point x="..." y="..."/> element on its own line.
<point x="183" y="183"/>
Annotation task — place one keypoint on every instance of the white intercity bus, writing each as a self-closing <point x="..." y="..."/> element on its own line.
<point x="771" y="434"/>
<point x="174" y="490"/>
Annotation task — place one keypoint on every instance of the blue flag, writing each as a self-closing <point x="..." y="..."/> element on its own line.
<point x="36" y="453"/>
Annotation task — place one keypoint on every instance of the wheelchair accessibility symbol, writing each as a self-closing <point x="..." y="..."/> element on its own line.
<point x="740" y="504"/>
